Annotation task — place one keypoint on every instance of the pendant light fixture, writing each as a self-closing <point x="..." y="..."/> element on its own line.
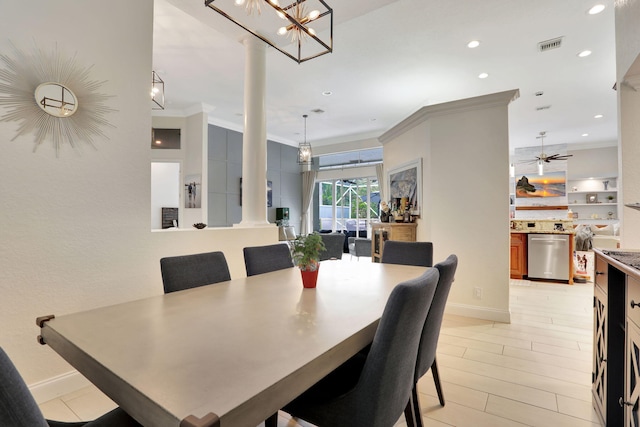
<point x="157" y="92"/>
<point x="305" y="156"/>
<point x="300" y="29"/>
<point x="543" y="156"/>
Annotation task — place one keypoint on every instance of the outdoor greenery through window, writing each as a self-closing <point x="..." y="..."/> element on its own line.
<point x="348" y="205"/>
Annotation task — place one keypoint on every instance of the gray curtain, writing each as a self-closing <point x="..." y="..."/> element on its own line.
<point x="308" y="182"/>
<point x="380" y="176"/>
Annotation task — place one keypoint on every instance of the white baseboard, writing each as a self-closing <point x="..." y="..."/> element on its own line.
<point x="60" y="385"/>
<point x="477" y="312"/>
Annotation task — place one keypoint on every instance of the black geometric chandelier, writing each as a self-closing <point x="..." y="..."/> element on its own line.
<point x="302" y="30"/>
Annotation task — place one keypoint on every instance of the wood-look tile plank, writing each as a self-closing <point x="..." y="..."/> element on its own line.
<point x="532" y="381"/>
<point x="525" y="365"/>
<point x="531" y="415"/>
<point x="462" y="395"/>
<point x="453" y="414"/>
<point x="577" y="408"/>
<point x="581" y="365"/>
<point x="561" y="351"/>
<point x="489" y="382"/>
<point x="57" y="410"/>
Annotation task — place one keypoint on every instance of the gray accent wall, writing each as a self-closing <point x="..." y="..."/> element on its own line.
<point x="225" y="171"/>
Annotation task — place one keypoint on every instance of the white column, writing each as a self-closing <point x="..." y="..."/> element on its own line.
<point x="254" y="141"/>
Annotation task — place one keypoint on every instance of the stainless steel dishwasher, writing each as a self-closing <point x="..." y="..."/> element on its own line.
<point x="548" y="256"/>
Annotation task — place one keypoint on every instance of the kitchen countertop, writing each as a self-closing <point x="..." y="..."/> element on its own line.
<point x="541" y="226"/>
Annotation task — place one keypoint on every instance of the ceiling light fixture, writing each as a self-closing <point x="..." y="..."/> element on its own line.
<point x="596" y="9"/>
<point x="598" y="116"/>
<point x="473" y="44"/>
<point x="584" y="53"/>
<point x="483" y="75"/>
<point x="297" y="39"/>
<point x="157" y="92"/>
<point x="305" y="156"/>
<point x="545" y="158"/>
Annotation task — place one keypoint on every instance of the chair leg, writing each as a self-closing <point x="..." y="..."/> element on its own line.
<point x="272" y="421"/>
<point x="436" y="380"/>
<point x="409" y="413"/>
<point x="417" y="412"/>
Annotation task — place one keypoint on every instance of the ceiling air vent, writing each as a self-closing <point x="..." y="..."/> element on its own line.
<point x="543" y="107"/>
<point x="550" y="44"/>
<point x="317" y="111"/>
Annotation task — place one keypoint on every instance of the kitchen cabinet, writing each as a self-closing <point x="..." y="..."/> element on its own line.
<point x="518" y="256"/>
<point x="616" y="357"/>
<point x="632" y="359"/>
<point x="383" y="231"/>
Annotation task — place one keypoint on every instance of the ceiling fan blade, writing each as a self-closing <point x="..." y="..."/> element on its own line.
<point x="559" y="156"/>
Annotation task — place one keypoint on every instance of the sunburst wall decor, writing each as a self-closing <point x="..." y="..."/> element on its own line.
<point x="52" y="97"/>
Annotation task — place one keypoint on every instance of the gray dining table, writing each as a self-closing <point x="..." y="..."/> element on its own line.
<point x="228" y="354"/>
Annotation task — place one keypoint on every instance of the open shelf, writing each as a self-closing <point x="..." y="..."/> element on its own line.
<point x="542" y="208"/>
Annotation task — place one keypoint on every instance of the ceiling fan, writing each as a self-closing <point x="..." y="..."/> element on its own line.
<point x="546" y="158"/>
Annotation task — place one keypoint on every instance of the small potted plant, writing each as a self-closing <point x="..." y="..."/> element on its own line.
<point x="305" y="251"/>
<point x="610" y="198"/>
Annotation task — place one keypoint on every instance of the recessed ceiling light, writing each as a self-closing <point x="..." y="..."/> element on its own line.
<point x="158" y="142"/>
<point x="327" y="93"/>
<point x="585" y="134"/>
<point x="473" y="43"/>
<point x="596" y="9"/>
<point x="483" y="75"/>
<point x="584" y="53"/>
<point x="598" y="116"/>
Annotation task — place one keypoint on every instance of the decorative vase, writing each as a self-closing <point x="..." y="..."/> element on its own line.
<point x="310" y="277"/>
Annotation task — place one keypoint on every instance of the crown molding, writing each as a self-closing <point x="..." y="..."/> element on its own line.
<point x="633" y="82"/>
<point x="427" y="112"/>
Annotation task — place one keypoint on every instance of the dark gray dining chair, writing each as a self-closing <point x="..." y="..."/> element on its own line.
<point x="264" y="259"/>
<point x="334" y="246"/>
<point x="430" y="334"/>
<point x="372" y="389"/>
<point x="18" y="408"/>
<point x="408" y="253"/>
<point x="362" y="247"/>
<point x="190" y="271"/>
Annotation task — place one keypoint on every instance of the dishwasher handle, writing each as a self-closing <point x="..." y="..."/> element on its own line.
<point x="549" y="239"/>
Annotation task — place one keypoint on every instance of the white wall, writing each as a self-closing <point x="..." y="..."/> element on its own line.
<point x="593" y="162"/>
<point x="465" y="155"/>
<point x="75" y="230"/>
<point x="628" y="87"/>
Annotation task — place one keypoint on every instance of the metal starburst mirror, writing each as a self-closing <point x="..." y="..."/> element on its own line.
<point x="52" y="97"/>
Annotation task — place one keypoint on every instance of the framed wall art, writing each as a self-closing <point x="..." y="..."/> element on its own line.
<point x="405" y="185"/>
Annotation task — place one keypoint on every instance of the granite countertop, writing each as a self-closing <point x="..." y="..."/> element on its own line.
<point x="542" y="226"/>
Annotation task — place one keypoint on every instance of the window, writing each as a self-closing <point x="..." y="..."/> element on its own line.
<point x="348" y="205"/>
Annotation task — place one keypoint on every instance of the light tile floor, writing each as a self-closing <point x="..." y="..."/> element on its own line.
<point x="535" y="371"/>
